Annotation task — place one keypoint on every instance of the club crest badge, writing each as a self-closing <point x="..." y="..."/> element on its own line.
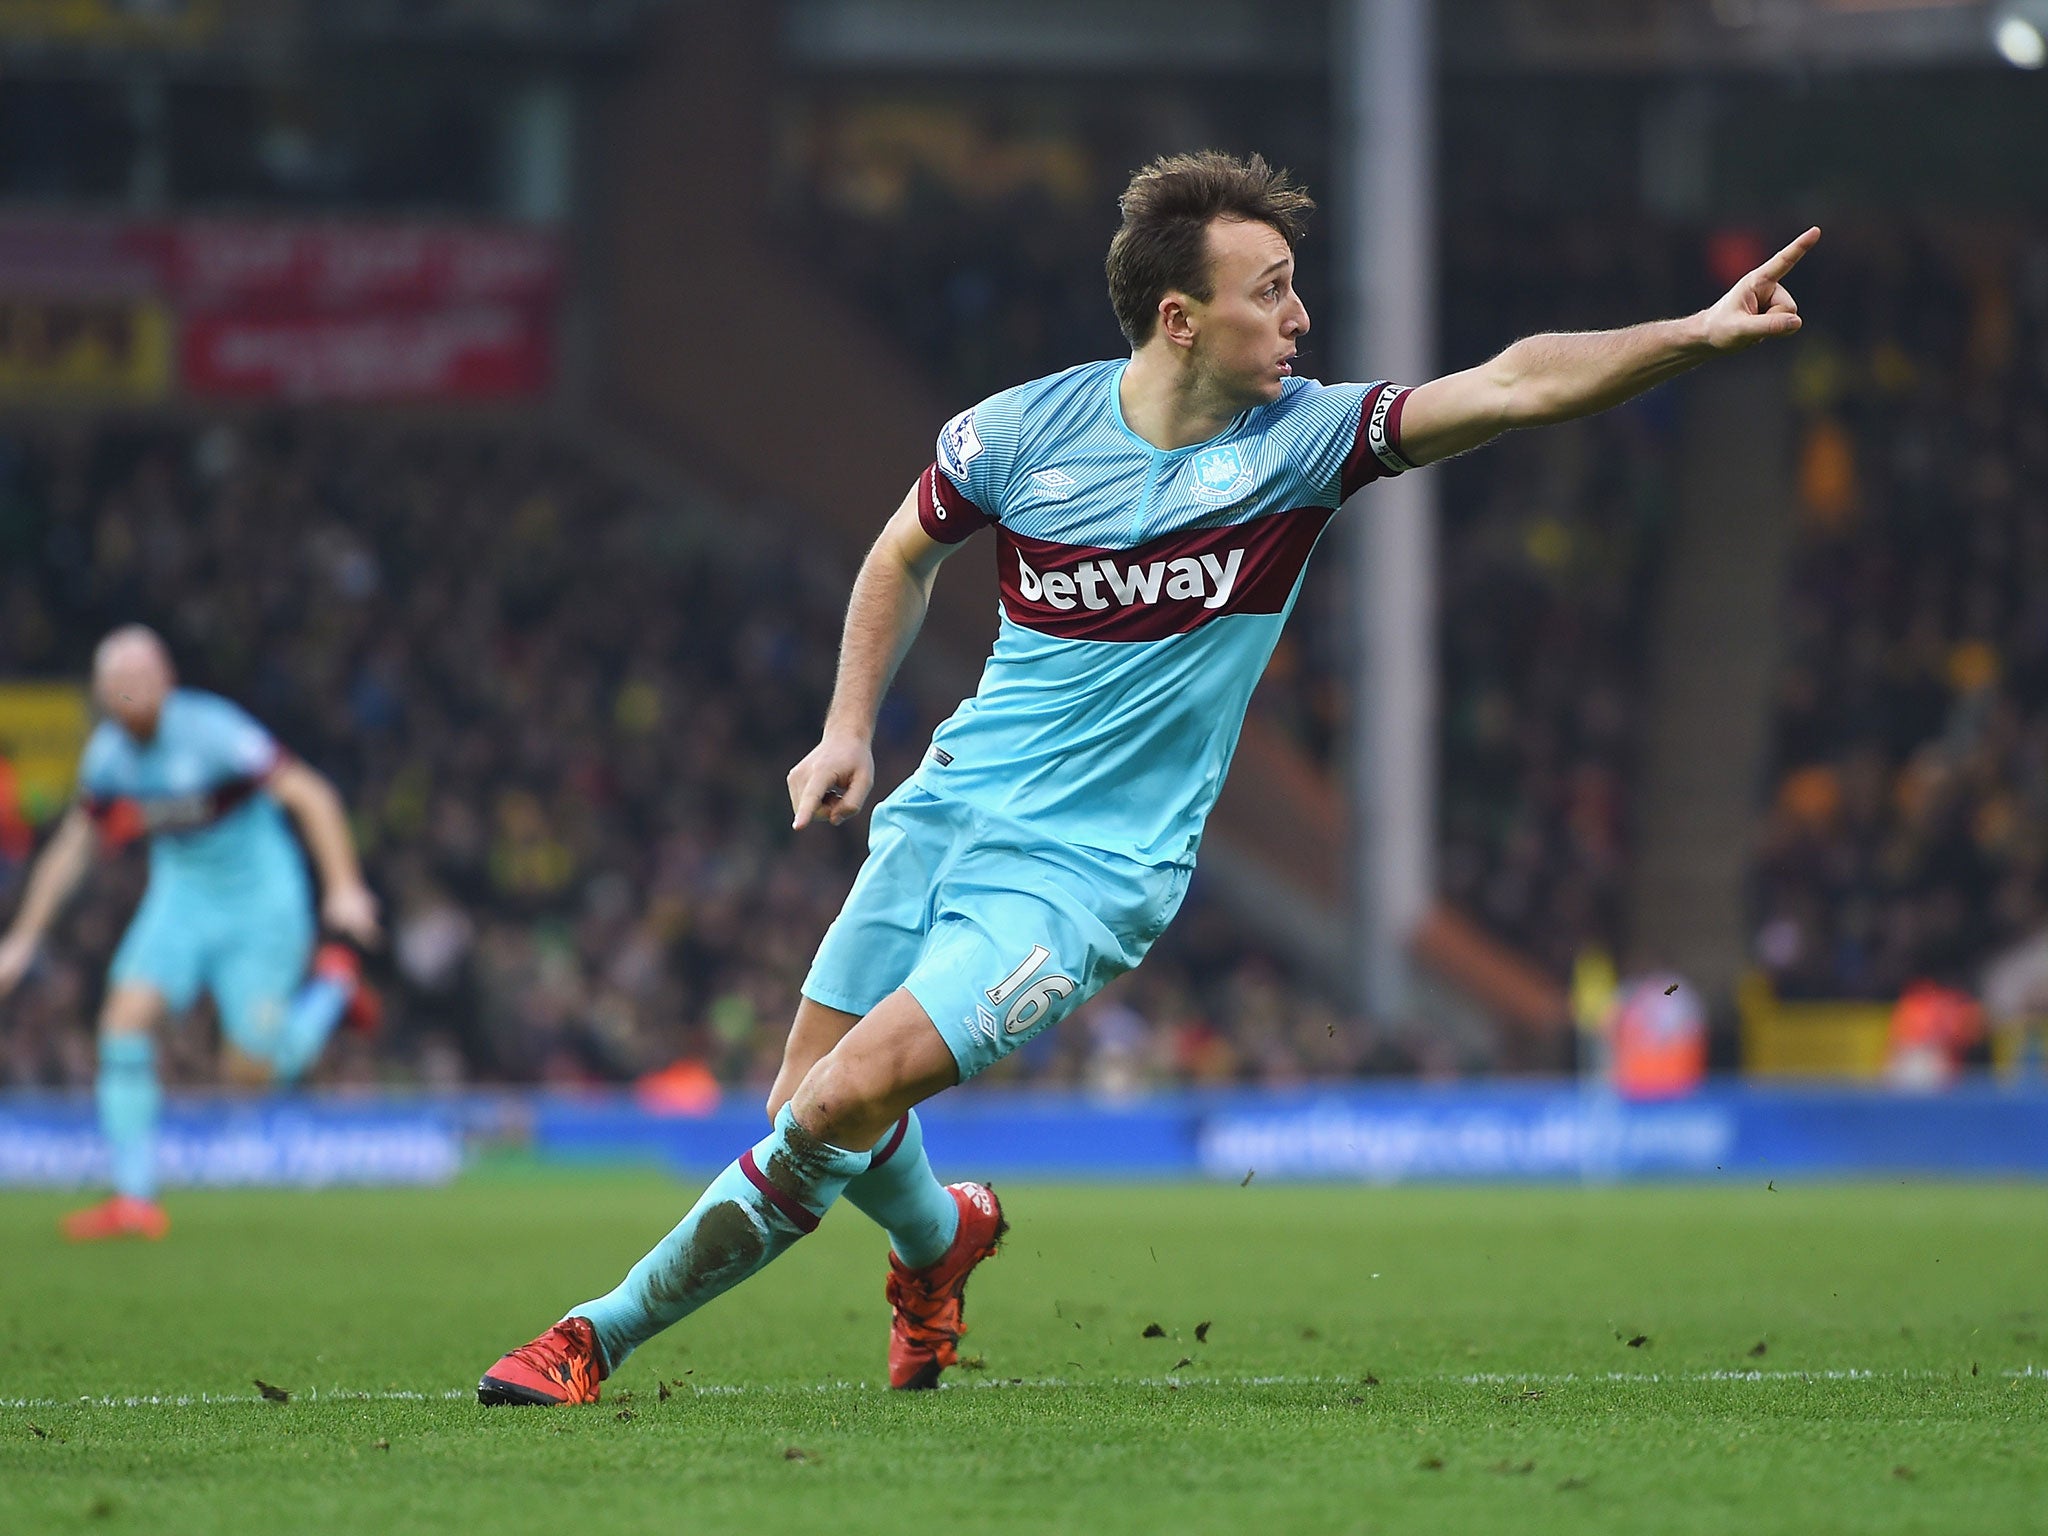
<point x="1221" y="475"/>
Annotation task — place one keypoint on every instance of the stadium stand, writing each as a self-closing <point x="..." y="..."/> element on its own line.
<point x="561" y="709"/>
<point x="1901" y="835"/>
<point x="1548" y="553"/>
<point x="564" y="771"/>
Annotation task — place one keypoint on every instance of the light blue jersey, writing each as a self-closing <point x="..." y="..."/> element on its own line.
<point x="230" y="906"/>
<point x="195" y="789"/>
<point x="1142" y="592"/>
<point x="1046" y="840"/>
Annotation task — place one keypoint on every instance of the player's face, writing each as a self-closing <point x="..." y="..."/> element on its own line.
<point x="1246" y="335"/>
<point x="130" y="687"/>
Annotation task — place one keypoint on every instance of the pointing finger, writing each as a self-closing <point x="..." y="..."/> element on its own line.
<point x="822" y="797"/>
<point x="804" y="801"/>
<point x="1788" y="258"/>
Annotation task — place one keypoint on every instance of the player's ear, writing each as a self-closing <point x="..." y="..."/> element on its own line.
<point x="1177" y="320"/>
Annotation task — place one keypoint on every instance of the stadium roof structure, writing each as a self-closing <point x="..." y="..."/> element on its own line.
<point x="175" y="33"/>
<point x="1507" y="35"/>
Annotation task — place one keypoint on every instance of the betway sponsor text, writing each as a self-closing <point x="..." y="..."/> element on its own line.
<point x="1165" y="586"/>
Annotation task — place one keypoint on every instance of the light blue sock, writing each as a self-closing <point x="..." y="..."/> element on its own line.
<point x="315" y="1009"/>
<point x="761" y="1204"/>
<point x="900" y="1191"/>
<point x="130" y="1099"/>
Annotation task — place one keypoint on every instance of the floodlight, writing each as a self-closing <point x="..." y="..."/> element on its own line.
<point x="2016" y="32"/>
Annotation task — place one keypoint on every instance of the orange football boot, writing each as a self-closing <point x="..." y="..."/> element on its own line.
<point x="562" y="1366"/>
<point x="117" y="1216"/>
<point x="928" y="1301"/>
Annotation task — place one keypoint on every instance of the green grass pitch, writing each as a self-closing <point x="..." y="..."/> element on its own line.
<point x="1680" y="1359"/>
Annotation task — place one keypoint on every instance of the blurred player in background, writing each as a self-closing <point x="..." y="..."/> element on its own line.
<point x="1154" y="515"/>
<point x="228" y="910"/>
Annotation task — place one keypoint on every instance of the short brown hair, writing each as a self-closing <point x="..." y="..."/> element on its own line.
<point x="1163" y="243"/>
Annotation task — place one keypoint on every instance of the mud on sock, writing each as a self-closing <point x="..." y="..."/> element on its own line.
<point x="763" y="1202"/>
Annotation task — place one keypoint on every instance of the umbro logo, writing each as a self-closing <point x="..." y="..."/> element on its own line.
<point x="1056" y="483"/>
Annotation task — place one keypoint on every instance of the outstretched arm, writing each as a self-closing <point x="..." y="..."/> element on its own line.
<point x="1543" y="379"/>
<point x="346" y="904"/>
<point x="62" y="864"/>
<point x="888" y="607"/>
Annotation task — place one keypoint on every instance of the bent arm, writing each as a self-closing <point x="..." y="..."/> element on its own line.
<point x="57" y="872"/>
<point x="1552" y="378"/>
<point x="890" y="596"/>
<point x="323" y="822"/>
<point x="346" y="904"/>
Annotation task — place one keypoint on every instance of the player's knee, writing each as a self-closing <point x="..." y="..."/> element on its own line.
<point x="787" y="1081"/>
<point x="845" y="1100"/>
<point x="129" y="1010"/>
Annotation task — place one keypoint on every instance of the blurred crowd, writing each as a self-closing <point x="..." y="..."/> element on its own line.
<point x="560" y="709"/>
<point x="1906" y="830"/>
<point x="1547" y="549"/>
<point x="971" y="219"/>
<point x="1547" y="555"/>
<point x="561" y="704"/>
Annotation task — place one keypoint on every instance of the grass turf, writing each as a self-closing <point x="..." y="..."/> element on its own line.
<point x="1833" y="1359"/>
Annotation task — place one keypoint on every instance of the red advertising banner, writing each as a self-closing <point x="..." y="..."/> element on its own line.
<point x="293" y="311"/>
<point x="475" y="352"/>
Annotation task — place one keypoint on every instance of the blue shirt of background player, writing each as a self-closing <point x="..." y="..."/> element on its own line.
<point x="196" y="790"/>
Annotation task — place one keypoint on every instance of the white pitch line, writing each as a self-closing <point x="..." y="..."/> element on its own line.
<point x="1597" y="1378"/>
<point x="744" y="1389"/>
<point x="222" y="1399"/>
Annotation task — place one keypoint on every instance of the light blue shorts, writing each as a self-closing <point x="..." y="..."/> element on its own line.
<point x="996" y="930"/>
<point x="250" y="953"/>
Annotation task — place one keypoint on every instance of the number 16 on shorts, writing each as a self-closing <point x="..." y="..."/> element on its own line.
<point x="1025" y="1005"/>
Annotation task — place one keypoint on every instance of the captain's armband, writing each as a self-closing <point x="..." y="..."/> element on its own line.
<point x="1376" y="450"/>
